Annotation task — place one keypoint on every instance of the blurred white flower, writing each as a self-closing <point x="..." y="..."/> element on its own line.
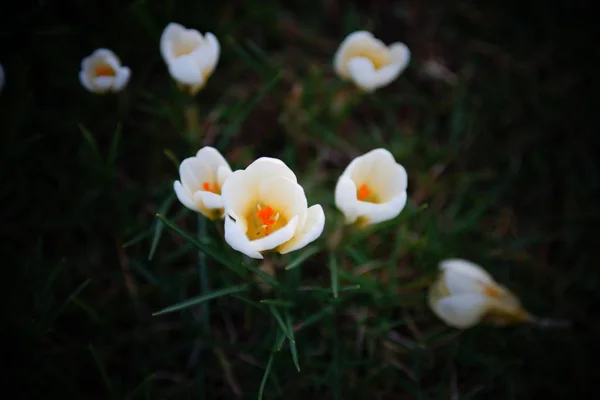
<point x="464" y="294"/>
<point x="102" y="72"/>
<point x="266" y="209"/>
<point x="372" y="188"/>
<point x="190" y="57"/>
<point x="202" y="178"/>
<point x="368" y="62"/>
<point x="1" y="77"/>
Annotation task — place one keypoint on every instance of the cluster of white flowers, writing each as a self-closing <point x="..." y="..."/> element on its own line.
<point x="192" y="57"/>
<point x="265" y="208"/>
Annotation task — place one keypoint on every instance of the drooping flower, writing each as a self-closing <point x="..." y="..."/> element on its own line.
<point x="190" y="57"/>
<point x="368" y="62"/>
<point x="372" y="188"/>
<point x="102" y="72"/>
<point x="266" y="210"/>
<point x="202" y="178"/>
<point x="464" y="295"/>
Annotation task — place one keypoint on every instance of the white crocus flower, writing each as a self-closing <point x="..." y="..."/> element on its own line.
<point x="102" y="72"/>
<point x="266" y="209"/>
<point x="464" y="294"/>
<point x="190" y="57"/>
<point x="1" y="77"/>
<point x="368" y="62"/>
<point x="372" y="189"/>
<point x="202" y="178"/>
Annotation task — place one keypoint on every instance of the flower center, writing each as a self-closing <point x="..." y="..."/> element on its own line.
<point x="214" y="188"/>
<point x="264" y="221"/>
<point x="364" y="193"/>
<point x="182" y="49"/>
<point x="380" y="57"/>
<point x="104" y="70"/>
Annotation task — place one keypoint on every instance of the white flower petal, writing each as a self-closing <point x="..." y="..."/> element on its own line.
<point x="376" y="213"/>
<point x="285" y="196"/>
<point x="209" y="200"/>
<point x="237" y="239"/>
<point x="172" y="31"/>
<point x="461" y="311"/>
<point x="276" y="238"/>
<point x="212" y="157"/>
<point x="239" y="193"/>
<point x="266" y="167"/>
<point x="121" y="78"/>
<point x="102" y="84"/>
<point x="462" y="276"/>
<point x="345" y="198"/>
<point x="362" y="72"/>
<point x="215" y="51"/>
<point x="184" y="197"/>
<point x="85" y="81"/>
<point x="194" y="173"/>
<point x="223" y="173"/>
<point x="386" y="75"/>
<point x="185" y="69"/>
<point x="340" y="58"/>
<point x="312" y="229"/>
<point x="400" y="55"/>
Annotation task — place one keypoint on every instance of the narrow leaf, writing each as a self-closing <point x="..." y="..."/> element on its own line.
<point x="281" y="323"/>
<point x="197" y="300"/>
<point x="305" y="255"/>
<point x="334" y="274"/>
<point x="158" y="229"/>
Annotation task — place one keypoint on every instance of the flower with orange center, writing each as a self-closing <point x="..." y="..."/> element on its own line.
<point x="190" y="56"/>
<point x="102" y="72"/>
<point x="368" y="62"/>
<point x="464" y="294"/>
<point x="372" y="189"/>
<point x="202" y="178"/>
<point x="266" y="210"/>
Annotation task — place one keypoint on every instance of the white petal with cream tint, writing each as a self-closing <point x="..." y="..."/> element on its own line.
<point x="464" y="294"/>
<point x="266" y="210"/>
<point x="368" y="62"/>
<point x="190" y="56"/>
<point x="201" y="181"/>
<point x="102" y="72"/>
<point x="372" y="188"/>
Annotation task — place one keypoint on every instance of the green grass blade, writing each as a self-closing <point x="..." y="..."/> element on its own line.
<point x="334" y="274"/>
<point x="278" y="303"/>
<point x="114" y="145"/>
<point x="293" y="349"/>
<point x="201" y="246"/>
<point x="281" y="323"/>
<point x="197" y="300"/>
<point x="158" y="229"/>
<point x="47" y="323"/>
<point x="305" y="255"/>
<point x="149" y="379"/>
<point x="265" y="378"/>
<point x="101" y="367"/>
<point x="89" y="138"/>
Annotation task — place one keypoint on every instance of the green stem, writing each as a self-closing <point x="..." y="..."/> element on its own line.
<point x="203" y="274"/>
<point x="193" y="131"/>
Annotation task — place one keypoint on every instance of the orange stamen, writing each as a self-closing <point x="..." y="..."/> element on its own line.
<point x="207" y="187"/>
<point x="104" y="70"/>
<point x="267" y="216"/>
<point x="363" y="192"/>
